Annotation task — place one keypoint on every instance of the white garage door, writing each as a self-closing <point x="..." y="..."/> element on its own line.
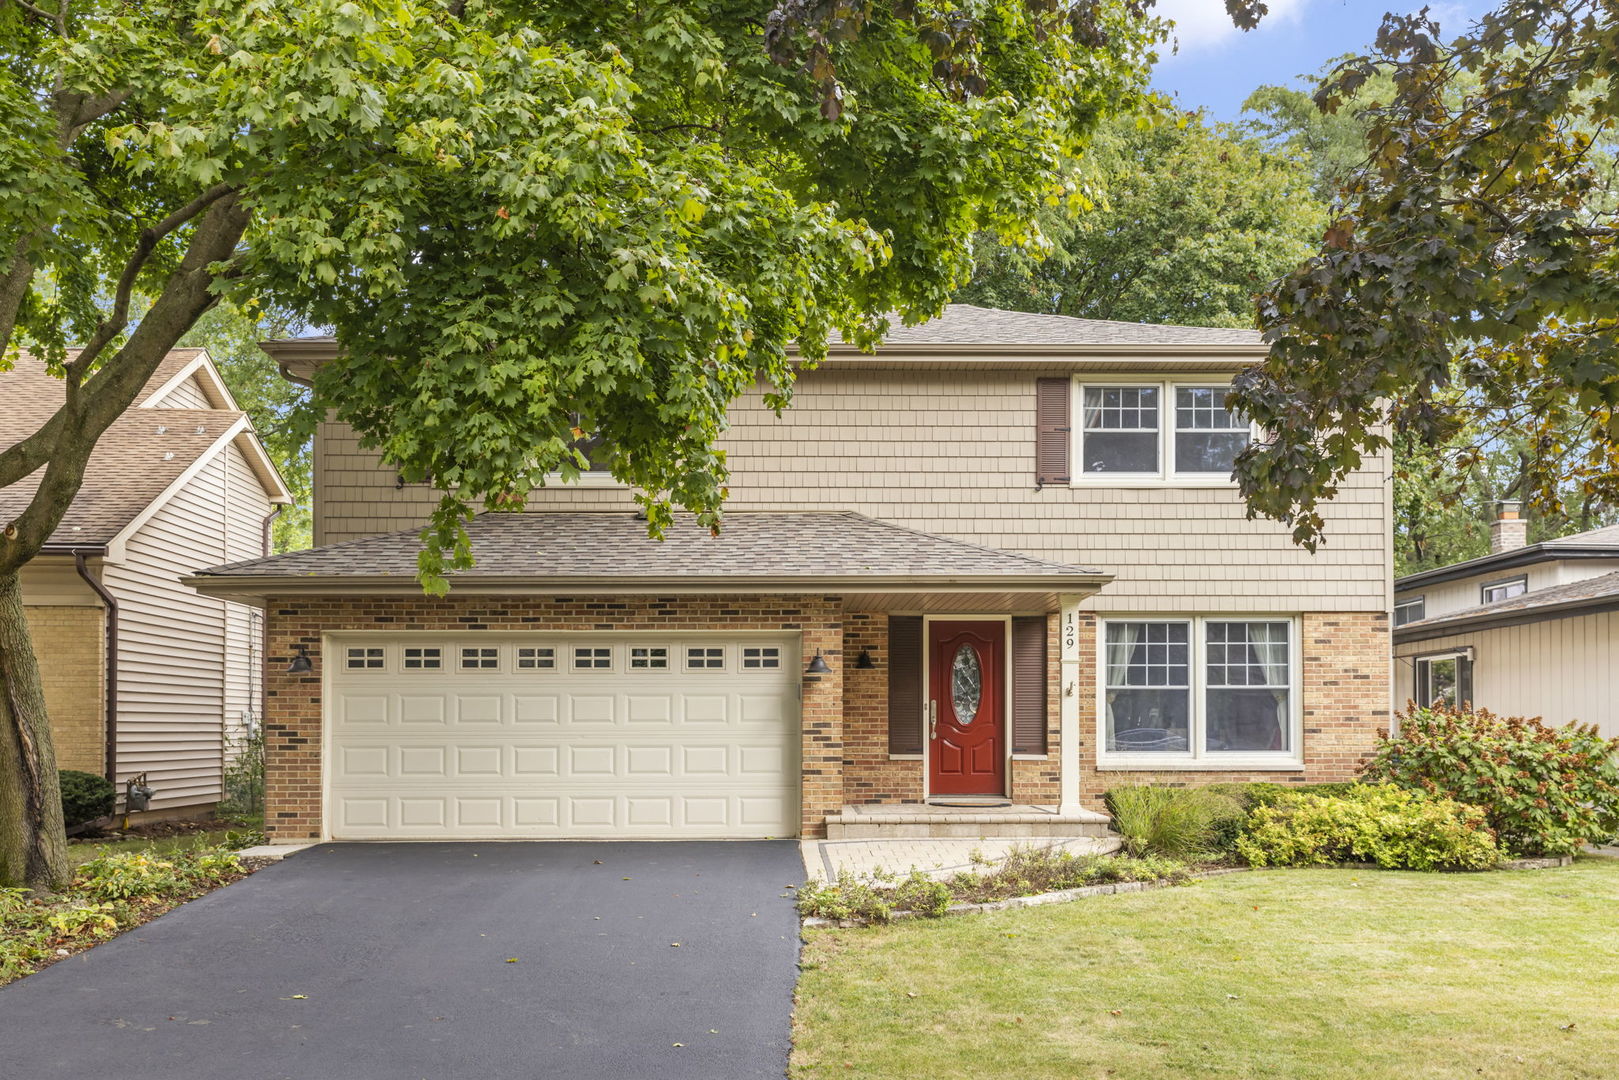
<point x="430" y="737"/>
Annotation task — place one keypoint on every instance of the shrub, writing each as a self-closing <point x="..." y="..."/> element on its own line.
<point x="1393" y="827"/>
<point x="873" y="897"/>
<point x="1181" y="823"/>
<point x="243" y="803"/>
<point x="85" y="796"/>
<point x="1544" y="790"/>
<point x="129" y="876"/>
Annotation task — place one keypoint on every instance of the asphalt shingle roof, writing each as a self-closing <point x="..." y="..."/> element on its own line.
<point x="807" y="545"/>
<point x="964" y="324"/>
<point x="967" y="325"/>
<point x="138" y="457"/>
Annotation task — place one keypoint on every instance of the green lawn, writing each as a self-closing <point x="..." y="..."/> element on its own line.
<point x="83" y="853"/>
<point x="1294" y="974"/>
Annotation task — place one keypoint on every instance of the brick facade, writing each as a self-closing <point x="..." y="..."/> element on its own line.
<point x="1345" y="686"/>
<point x="293" y="721"/>
<point x="70" y="644"/>
<point x="844" y="713"/>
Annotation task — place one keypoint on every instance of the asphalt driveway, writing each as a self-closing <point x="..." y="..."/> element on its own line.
<point x="390" y="961"/>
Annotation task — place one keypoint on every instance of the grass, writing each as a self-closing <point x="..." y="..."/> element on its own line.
<point x="168" y="845"/>
<point x="1296" y="975"/>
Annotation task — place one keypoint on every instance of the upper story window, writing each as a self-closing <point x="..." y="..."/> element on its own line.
<point x="1505" y="589"/>
<point x="1168" y="430"/>
<point x="1119" y="430"/>
<point x="1411" y="610"/>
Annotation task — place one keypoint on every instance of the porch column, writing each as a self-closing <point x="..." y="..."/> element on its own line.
<point x="1068" y="697"/>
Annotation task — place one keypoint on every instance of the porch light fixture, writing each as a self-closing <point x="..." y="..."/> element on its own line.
<point x="865" y="662"/>
<point x="300" y="664"/>
<point x="818" y="666"/>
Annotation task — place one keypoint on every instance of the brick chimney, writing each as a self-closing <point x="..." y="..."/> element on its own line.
<point x="1509" y="530"/>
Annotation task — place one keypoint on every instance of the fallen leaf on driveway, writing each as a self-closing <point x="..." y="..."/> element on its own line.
<point x="674" y="944"/>
<point x="680" y="1044"/>
<point x="511" y="959"/>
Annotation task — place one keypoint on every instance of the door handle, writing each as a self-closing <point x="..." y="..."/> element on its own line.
<point x="933" y="719"/>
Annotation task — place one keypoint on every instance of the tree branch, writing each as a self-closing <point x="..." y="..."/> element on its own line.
<point x="32" y="10"/>
<point x="115" y="322"/>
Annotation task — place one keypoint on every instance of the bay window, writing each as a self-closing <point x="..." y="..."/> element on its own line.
<point x="1199" y="692"/>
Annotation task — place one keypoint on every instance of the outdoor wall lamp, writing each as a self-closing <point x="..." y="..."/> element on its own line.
<point x="865" y="662"/>
<point x="818" y="666"/>
<point x="300" y="664"/>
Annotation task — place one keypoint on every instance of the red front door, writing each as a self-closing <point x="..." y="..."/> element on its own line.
<point x="966" y="751"/>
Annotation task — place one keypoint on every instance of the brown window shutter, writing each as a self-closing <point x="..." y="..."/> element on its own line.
<point x="1029" y="684"/>
<point x="1051" y="430"/>
<point x="905" y="684"/>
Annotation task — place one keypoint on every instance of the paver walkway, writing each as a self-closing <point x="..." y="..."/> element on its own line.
<point x="937" y="857"/>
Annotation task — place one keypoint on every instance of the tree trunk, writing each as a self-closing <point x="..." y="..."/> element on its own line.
<point x="33" y="844"/>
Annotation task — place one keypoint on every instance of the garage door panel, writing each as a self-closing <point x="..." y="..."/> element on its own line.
<point x="512" y="753"/>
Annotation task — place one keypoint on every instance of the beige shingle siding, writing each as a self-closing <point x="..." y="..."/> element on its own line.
<point x="952" y="452"/>
<point x="184" y="658"/>
<point x="1562" y="670"/>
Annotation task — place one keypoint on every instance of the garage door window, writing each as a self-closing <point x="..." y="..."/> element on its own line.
<point x="423" y="659"/>
<point x="364" y="659"/>
<point x="705" y="658"/>
<point x="480" y="659"/>
<point x="649" y="658"/>
<point x="592" y="658"/>
<point x="539" y="658"/>
<point x="756" y="657"/>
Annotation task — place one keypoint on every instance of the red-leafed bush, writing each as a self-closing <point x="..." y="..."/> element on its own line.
<point x="1543" y="790"/>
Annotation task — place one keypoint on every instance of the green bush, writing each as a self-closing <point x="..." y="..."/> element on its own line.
<point x="874" y="898"/>
<point x="243" y="803"/>
<point x="1395" y="828"/>
<point x="85" y="796"/>
<point x="1544" y="790"/>
<point x="1181" y="823"/>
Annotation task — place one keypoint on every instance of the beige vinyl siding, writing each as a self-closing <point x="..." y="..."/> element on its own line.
<point x="244" y="626"/>
<point x="952" y="452"/>
<point x="1448" y="596"/>
<point x="1561" y="670"/>
<point x="184" y="658"/>
<point x="188" y="395"/>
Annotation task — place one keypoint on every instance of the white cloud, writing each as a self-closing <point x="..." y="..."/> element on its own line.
<point x="1204" y="24"/>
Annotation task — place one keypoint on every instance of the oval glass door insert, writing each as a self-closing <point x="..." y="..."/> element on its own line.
<point x="966" y="683"/>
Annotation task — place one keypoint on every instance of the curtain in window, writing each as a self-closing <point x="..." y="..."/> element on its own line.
<point x="1121" y="640"/>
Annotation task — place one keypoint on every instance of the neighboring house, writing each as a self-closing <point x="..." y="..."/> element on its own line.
<point x="142" y="675"/>
<point x="1002" y="559"/>
<point x="1527" y="630"/>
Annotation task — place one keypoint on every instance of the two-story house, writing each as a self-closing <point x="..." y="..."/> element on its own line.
<point x="1000" y="561"/>
<point x="1527" y="630"/>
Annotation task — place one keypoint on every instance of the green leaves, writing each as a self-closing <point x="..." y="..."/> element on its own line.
<point x="1475" y="243"/>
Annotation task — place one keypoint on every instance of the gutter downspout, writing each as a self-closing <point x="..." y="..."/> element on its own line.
<point x="264" y="526"/>
<point x="107" y="598"/>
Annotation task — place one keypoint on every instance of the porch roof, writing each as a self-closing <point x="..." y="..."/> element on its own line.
<point x="756" y="551"/>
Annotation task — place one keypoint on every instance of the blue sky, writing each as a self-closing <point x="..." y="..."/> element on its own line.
<point x="1218" y="65"/>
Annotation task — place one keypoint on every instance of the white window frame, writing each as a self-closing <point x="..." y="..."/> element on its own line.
<point x="685" y="658"/>
<point x="1424" y="663"/>
<point x="1197" y="757"/>
<point x="593" y="668"/>
<point x="439" y="666"/>
<point x="1422" y="609"/>
<point x="1166" y="475"/>
<point x="479" y="669"/>
<point x="386" y="652"/>
<point x="1485" y="587"/>
<point x="761" y="662"/>
<point x="648" y="667"/>
<point x="536" y="666"/>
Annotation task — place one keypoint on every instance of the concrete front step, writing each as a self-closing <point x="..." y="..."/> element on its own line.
<point x="885" y="822"/>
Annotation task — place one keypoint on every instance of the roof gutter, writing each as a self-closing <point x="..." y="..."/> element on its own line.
<point x="1505" y="560"/>
<point x="110" y="764"/>
<point x="479" y="585"/>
